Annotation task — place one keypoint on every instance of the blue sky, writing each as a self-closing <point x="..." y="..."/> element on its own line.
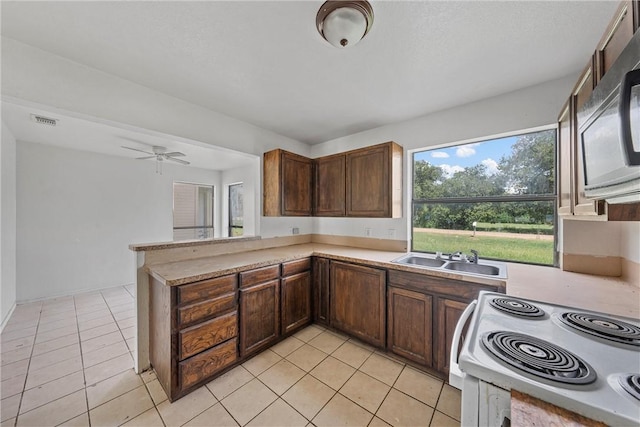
<point x="457" y="158"/>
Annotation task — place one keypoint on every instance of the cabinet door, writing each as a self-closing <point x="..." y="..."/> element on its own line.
<point x="565" y="182"/>
<point x="296" y="185"/>
<point x="330" y="186"/>
<point x="286" y="184"/>
<point x="259" y="316"/>
<point x="358" y="301"/>
<point x="321" y="290"/>
<point x="448" y="313"/>
<point x="296" y="301"/>
<point x="409" y="325"/>
<point x="616" y="37"/>
<point x="374" y="181"/>
<point x="581" y="204"/>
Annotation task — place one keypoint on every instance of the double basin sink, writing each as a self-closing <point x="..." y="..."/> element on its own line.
<point x="497" y="270"/>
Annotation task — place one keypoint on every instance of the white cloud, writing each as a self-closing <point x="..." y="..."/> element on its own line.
<point x="492" y="166"/>
<point x="439" y="155"/>
<point x="449" y="170"/>
<point x="465" y="151"/>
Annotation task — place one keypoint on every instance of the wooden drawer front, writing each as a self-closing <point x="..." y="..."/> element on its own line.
<point x="207" y="289"/>
<point x="202" y="366"/>
<point x="295" y="267"/>
<point x="259" y="275"/>
<point x="198" y="311"/>
<point x="204" y="335"/>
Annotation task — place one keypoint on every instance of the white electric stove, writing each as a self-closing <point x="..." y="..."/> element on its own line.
<point x="580" y="360"/>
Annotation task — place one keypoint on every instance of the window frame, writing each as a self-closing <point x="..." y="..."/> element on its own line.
<point x="232" y="227"/>
<point x="195" y="227"/>
<point x="552" y="197"/>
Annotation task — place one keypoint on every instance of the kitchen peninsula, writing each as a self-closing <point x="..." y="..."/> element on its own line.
<point x="170" y="266"/>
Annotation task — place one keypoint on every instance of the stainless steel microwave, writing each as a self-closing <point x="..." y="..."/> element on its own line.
<point x="609" y="131"/>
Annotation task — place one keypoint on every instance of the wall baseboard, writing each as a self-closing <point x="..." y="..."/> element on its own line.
<point x="631" y="272"/>
<point x="7" y="317"/>
<point x="72" y="293"/>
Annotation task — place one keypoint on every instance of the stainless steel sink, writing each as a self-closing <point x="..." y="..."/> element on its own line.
<point x="419" y="260"/>
<point x="497" y="270"/>
<point x="467" y="267"/>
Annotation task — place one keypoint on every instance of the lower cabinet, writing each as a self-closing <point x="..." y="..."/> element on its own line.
<point x="193" y="332"/>
<point x="295" y="295"/>
<point x="357" y="301"/>
<point x="320" y="277"/>
<point x="448" y="313"/>
<point x="422" y="314"/>
<point x="410" y="324"/>
<point x="259" y="309"/>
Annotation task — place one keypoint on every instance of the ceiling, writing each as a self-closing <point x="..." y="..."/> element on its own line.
<point x="264" y="62"/>
<point x="88" y="135"/>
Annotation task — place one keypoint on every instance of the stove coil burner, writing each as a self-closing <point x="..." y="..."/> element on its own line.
<point x="631" y="384"/>
<point x="516" y="307"/>
<point x="539" y="358"/>
<point x="603" y="327"/>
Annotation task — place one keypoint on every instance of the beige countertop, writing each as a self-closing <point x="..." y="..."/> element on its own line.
<point x="604" y="294"/>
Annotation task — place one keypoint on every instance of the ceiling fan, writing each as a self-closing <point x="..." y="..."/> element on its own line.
<point x="160" y="154"/>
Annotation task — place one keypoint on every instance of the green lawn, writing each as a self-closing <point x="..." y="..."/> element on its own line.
<point x="517" y="228"/>
<point x="504" y="248"/>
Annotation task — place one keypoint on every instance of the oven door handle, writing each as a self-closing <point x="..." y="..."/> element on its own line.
<point x="455" y="374"/>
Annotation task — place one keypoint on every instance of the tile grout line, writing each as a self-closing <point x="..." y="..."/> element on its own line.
<point x="24" y="385"/>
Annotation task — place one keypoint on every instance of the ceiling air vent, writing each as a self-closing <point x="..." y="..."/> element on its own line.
<point x="44" y="120"/>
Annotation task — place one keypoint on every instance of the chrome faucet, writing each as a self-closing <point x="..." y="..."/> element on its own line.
<point x="474" y="258"/>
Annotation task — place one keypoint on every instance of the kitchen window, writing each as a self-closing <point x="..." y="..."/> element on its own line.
<point x="192" y="211"/>
<point x="236" y="210"/>
<point x="495" y="196"/>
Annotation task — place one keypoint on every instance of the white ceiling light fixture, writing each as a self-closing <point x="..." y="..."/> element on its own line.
<point x="344" y="23"/>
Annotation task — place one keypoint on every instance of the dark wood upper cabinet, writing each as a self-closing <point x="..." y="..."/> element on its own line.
<point x="374" y="181"/>
<point x="330" y="185"/>
<point x="616" y="36"/>
<point x="357" y="301"/>
<point x="287" y="184"/>
<point x="565" y="182"/>
<point x="360" y="183"/>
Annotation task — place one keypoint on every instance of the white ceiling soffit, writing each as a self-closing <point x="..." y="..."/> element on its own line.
<point x="80" y="134"/>
<point x="265" y="63"/>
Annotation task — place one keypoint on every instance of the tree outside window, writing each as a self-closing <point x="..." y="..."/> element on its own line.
<point x="506" y="187"/>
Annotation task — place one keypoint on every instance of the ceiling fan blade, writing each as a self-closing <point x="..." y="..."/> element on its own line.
<point x="135" y="149"/>
<point x="174" y="154"/>
<point x="184" y="162"/>
<point x="145" y="157"/>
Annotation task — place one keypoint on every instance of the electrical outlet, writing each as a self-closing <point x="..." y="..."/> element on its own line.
<point x="391" y="233"/>
<point x="368" y="232"/>
<point x="295" y="230"/>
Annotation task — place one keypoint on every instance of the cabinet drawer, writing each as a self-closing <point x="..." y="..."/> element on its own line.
<point x="294" y="267"/>
<point x="202" y="366"/>
<point x="259" y="275"/>
<point x="198" y="311"/>
<point x="208" y="334"/>
<point x="206" y="289"/>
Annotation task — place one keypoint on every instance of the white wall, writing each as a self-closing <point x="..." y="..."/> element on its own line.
<point x="79" y="211"/>
<point x="524" y="109"/>
<point x="630" y="241"/>
<point x="7" y="223"/>
<point x="34" y="75"/>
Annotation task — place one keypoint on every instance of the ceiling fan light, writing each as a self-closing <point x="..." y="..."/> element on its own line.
<point x="344" y="23"/>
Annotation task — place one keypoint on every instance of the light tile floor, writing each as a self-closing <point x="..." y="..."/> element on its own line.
<point x="68" y="361"/>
